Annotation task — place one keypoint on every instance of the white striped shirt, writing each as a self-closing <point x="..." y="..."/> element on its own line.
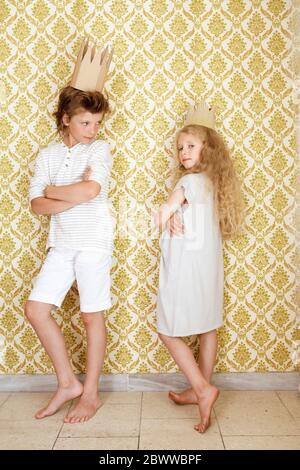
<point x="86" y="226"/>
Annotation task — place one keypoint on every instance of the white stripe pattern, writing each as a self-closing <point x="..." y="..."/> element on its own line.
<point x="89" y="225"/>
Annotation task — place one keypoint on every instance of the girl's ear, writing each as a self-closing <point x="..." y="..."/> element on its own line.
<point x="66" y="120"/>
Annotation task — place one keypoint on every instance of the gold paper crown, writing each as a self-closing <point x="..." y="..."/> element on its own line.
<point x="202" y="115"/>
<point x="91" y="67"/>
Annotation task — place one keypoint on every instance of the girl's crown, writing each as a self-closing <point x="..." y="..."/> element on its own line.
<point x="91" y="67"/>
<point x="201" y="114"/>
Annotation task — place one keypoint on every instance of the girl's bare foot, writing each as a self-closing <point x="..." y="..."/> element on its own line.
<point x="62" y="395"/>
<point x="206" y="400"/>
<point x="85" y="409"/>
<point x="188" y="397"/>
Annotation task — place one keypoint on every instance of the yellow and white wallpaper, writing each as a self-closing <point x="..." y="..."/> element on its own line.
<point x="237" y="54"/>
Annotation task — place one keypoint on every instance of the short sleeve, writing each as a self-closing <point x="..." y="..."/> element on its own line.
<point x="187" y="183"/>
<point x="41" y="177"/>
<point x="100" y="162"/>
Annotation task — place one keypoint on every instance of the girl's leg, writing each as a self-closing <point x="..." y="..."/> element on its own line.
<point x="206" y="394"/>
<point x="89" y="401"/>
<point x="207" y="360"/>
<point x="39" y="315"/>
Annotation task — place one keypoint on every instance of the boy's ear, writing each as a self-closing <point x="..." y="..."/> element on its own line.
<point x="65" y="120"/>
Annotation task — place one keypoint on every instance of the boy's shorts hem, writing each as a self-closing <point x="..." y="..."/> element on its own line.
<point x="95" y="308"/>
<point x="90" y="308"/>
<point x="44" y="299"/>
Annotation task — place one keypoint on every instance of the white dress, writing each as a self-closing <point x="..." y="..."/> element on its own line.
<point x="191" y="278"/>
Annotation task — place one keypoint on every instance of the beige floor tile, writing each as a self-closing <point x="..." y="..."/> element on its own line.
<point x="297" y="421"/>
<point x="262" y="442"/>
<point x="121" y="397"/>
<point x="28" y="434"/>
<point x="157" y="405"/>
<point x="178" y="434"/>
<point x="21" y="406"/>
<point x="97" y="443"/>
<point x="291" y="399"/>
<point x="3" y="397"/>
<point x="253" y="413"/>
<point x="112" y="420"/>
<point x="24" y="442"/>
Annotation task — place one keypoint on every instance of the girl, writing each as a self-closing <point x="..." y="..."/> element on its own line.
<point x="190" y="297"/>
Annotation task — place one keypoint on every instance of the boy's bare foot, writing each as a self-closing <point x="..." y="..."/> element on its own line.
<point x="188" y="397"/>
<point x="62" y="395"/>
<point x="206" y="401"/>
<point x="84" y="410"/>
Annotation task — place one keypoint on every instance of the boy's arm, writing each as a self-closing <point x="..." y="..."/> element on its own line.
<point x="75" y="193"/>
<point x="166" y="211"/>
<point x="45" y="206"/>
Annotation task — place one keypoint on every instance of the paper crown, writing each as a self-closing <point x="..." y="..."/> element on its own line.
<point x="91" y="67"/>
<point x="202" y="115"/>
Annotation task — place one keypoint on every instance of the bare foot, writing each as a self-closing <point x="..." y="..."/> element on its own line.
<point x="62" y="395"/>
<point x="206" y="401"/>
<point x="188" y="397"/>
<point x="84" y="410"/>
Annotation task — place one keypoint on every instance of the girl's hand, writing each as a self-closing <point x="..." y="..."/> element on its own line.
<point x="175" y="225"/>
<point x="87" y="173"/>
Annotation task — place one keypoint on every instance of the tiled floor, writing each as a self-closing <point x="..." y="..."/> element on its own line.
<point x="148" y="420"/>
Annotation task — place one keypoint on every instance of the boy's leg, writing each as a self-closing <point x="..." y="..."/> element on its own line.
<point x="39" y="315"/>
<point x="207" y="360"/>
<point x="89" y="401"/>
<point x="206" y="393"/>
<point x="93" y="279"/>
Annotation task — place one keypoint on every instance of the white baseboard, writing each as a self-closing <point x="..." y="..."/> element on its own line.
<point x="158" y="382"/>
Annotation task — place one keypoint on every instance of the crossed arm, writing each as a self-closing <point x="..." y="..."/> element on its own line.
<point x="60" y="198"/>
<point x="168" y="209"/>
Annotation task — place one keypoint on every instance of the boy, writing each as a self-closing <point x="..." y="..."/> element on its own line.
<point x="71" y="185"/>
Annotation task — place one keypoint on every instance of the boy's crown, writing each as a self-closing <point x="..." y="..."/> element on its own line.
<point x="91" y="67"/>
<point x="202" y="115"/>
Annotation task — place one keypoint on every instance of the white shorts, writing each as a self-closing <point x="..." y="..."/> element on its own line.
<point x="62" y="266"/>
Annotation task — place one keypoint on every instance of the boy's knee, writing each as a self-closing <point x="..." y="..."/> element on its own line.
<point x="91" y="318"/>
<point x="32" y="311"/>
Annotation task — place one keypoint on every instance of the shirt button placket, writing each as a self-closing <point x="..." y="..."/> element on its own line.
<point x="68" y="157"/>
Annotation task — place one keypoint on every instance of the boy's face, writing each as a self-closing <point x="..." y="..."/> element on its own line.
<point x="189" y="147"/>
<point x="82" y="127"/>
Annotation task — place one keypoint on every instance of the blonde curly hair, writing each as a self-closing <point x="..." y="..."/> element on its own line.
<point x="215" y="161"/>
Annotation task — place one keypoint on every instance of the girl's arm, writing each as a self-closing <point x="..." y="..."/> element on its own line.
<point x="45" y="206"/>
<point x="75" y="193"/>
<point x="166" y="211"/>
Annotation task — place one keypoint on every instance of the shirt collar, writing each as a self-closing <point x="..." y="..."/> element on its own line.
<point x="75" y="146"/>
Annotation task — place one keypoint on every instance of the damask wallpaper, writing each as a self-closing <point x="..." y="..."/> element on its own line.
<point x="237" y="54"/>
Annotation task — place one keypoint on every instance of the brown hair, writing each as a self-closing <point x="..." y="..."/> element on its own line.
<point x="215" y="161"/>
<point x="71" y="101"/>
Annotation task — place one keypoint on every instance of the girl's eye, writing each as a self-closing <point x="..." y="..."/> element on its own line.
<point x="191" y="146"/>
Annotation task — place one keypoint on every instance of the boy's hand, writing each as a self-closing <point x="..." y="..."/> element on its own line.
<point x="87" y="173"/>
<point x="175" y="225"/>
<point x="46" y="191"/>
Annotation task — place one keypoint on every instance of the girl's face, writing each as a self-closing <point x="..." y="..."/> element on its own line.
<point x="189" y="147"/>
<point x="82" y="127"/>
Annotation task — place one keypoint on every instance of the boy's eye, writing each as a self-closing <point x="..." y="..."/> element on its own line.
<point x="191" y="146"/>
